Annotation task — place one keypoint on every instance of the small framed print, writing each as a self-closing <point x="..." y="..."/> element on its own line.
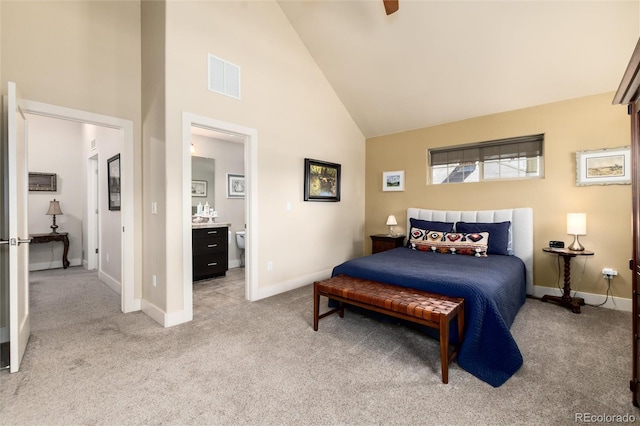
<point x="393" y="181"/>
<point x="610" y="166"/>
<point x="235" y="186"/>
<point x="198" y="188"/>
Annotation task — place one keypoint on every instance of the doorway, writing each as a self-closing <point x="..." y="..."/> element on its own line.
<point x="125" y="146"/>
<point x="249" y="138"/>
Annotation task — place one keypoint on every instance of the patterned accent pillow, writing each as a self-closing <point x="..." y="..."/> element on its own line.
<point x="472" y="244"/>
<point x="419" y="228"/>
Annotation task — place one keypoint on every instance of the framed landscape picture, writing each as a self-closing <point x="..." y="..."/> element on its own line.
<point x="393" y="181"/>
<point x="321" y="180"/>
<point x="611" y="166"/>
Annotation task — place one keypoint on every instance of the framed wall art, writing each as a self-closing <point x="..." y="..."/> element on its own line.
<point x="610" y="166"/>
<point x="235" y="186"/>
<point x="321" y="180"/>
<point x="393" y="181"/>
<point x="198" y="188"/>
<point x="113" y="181"/>
<point x="43" y="182"/>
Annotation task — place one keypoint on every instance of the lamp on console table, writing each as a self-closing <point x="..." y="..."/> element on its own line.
<point x="54" y="209"/>
<point x="391" y="222"/>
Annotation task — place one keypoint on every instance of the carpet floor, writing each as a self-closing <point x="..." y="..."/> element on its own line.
<point x="261" y="363"/>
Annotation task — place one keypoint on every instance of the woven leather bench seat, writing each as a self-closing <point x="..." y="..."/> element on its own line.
<point x="421" y="307"/>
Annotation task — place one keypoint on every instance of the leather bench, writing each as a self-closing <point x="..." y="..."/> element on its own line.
<point x="421" y="307"/>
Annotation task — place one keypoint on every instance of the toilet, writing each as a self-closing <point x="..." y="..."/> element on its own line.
<point x="240" y="241"/>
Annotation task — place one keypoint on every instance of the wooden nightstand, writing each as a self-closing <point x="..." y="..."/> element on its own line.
<point x="382" y="242"/>
<point x="566" y="300"/>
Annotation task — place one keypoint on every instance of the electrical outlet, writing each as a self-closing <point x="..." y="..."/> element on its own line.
<point x="270" y="266"/>
<point x="608" y="273"/>
<point x="153" y="280"/>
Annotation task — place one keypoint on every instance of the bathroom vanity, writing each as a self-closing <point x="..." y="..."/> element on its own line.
<point x="210" y="249"/>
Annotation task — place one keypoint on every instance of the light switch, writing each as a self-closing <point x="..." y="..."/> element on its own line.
<point x="154" y="207"/>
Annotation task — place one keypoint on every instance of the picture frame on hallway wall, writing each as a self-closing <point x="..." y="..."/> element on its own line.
<point x="609" y="166"/>
<point x="235" y="186"/>
<point x="113" y="182"/>
<point x="321" y="180"/>
<point x="393" y="181"/>
<point x="43" y="182"/>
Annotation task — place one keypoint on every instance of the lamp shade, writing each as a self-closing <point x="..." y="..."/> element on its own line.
<point x="391" y="220"/>
<point x="577" y="223"/>
<point x="54" y="208"/>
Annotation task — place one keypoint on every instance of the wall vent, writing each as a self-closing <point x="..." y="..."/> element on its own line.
<point x="224" y="77"/>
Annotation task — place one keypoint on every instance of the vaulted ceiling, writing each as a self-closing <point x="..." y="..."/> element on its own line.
<point x="434" y="62"/>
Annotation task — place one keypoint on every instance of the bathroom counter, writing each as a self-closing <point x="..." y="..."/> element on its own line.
<point x="205" y="225"/>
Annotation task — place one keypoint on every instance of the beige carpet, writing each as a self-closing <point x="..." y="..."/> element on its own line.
<point x="261" y="363"/>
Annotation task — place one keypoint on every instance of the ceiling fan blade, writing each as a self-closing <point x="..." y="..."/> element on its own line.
<point x="390" y="6"/>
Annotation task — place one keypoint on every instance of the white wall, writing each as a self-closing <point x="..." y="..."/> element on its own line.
<point x="106" y="143"/>
<point x="54" y="146"/>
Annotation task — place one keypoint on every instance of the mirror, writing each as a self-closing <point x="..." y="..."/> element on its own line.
<point x="202" y="182"/>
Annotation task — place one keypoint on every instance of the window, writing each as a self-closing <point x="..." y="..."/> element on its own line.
<point x="511" y="158"/>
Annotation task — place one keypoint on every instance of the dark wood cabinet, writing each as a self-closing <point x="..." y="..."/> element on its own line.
<point x="384" y="242"/>
<point x="210" y="252"/>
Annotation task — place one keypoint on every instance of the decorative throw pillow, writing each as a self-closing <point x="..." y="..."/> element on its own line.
<point x="499" y="231"/>
<point x="420" y="227"/>
<point x="473" y="244"/>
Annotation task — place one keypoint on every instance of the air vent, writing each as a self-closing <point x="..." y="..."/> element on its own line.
<point x="224" y="77"/>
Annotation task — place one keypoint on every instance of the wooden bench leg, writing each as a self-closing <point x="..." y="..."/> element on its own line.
<point x="444" y="347"/>
<point x="316" y="306"/>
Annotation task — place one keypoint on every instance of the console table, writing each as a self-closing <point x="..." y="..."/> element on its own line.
<point x="58" y="236"/>
<point x="566" y="300"/>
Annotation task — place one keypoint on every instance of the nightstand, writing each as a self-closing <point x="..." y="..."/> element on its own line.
<point x="383" y="242"/>
<point x="566" y="300"/>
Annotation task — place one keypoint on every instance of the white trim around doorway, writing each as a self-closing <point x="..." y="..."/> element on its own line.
<point x="251" y="198"/>
<point x="128" y="303"/>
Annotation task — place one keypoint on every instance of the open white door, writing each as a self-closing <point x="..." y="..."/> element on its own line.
<point x="16" y="178"/>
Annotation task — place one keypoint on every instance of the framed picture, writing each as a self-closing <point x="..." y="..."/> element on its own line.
<point x="43" y="182"/>
<point x="235" y="186"/>
<point x="113" y="182"/>
<point x="321" y="181"/>
<point x="393" y="181"/>
<point x="611" y="166"/>
<point x="198" y="188"/>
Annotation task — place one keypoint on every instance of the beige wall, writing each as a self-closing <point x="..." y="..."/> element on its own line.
<point x="287" y="99"/>
<point x="581" y="124"/>
<point x="83" y="55"/>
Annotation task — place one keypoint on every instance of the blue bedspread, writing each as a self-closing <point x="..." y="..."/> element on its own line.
<point x="493" y="288"/>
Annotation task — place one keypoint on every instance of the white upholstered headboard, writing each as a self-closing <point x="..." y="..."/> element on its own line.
<point x="521" y="228"/>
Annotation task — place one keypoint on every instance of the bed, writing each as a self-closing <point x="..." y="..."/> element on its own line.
<point x="493" y="285"/>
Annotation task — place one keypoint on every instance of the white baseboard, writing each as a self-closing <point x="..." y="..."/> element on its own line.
<point x="111" y="282"/>
<point x="615" y="303"/>
<point x="272" y="290"/>
<point x="163" y="318"/>
<point x="54" y="264"/>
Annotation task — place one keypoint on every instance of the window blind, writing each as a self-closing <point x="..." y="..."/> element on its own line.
<point x="519" y="147"/>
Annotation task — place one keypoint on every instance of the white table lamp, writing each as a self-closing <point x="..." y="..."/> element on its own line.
<point x="576" y="225"/>
<point x="391" y="222"/>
